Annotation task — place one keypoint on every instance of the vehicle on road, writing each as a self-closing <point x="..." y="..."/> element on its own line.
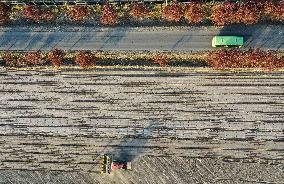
<point x="227" y="41"/>
<point x="109" y="164"/>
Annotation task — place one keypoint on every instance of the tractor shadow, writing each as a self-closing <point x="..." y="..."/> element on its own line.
<point x="131" y="147"/>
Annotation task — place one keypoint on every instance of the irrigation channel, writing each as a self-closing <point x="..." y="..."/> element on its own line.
<point x="65" y="119"/>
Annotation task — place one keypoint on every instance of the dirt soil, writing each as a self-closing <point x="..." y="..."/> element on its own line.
<point x="159" y="170"/>
<point x="177" y="125"/>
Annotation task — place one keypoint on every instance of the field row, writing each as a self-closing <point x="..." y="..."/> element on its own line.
<point x="63" y="120"/>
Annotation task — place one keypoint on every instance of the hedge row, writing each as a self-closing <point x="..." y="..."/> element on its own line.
<point x="220" y="59"/>
<point x="253" y="58"/>
<point x="219" y="13"/>
<point x="56" y="58"/>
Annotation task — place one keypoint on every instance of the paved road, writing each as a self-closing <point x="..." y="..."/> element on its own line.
<point x="64" y="119"/>
<point x="125" y="38"/>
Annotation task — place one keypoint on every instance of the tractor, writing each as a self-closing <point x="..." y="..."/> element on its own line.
<point x="109" y="164"/>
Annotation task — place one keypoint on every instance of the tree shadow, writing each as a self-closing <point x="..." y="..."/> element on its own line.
<point x="113" y="37"/>
<point x="9" y="39"/>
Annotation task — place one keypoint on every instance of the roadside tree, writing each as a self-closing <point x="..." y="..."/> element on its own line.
<point x="109" y="16"/>
<point x="139" y="11"/>
<point x="4" y="13"/>
<point x="194" y="12"/>
<point x="85" y="59"/>
<point x="56" y="57"/>
<point x="161" y="60"/>
<point x="173" y="12"/>
<point x="78" y="13"/>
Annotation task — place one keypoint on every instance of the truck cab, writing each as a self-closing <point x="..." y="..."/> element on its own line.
<point x="228" y="41"/>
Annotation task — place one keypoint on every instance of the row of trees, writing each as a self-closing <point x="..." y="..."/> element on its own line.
<point x="227" y="12"/>
<point x="56" y="58"/>
<point x="193" y="12"/>
<point x="247" y="12"/>
<point x="253" y="58"/>
<point x="220" y="13"/>
<point x="74" y="13"/>
<point x="220" y="59"/>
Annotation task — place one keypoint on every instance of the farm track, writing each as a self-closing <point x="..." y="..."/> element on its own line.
<point x="63" y="120"/>
<point x="163" y="39"/>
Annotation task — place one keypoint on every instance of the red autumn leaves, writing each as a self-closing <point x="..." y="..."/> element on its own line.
<point x="247" y="12"/>
<point x="193" y="12"/>
<point x="25" y="59"/>
<point x="78" y="13"/>
<point x="85" y="59"/>
<point x="108" y="16"/>
<point x="37" y="14"/>
<point x="161" y="60"/>
<point x="56" y="57"/>
<point x="220" y="59"/>
<point x="173" y="12"/>
<point x="139" y="11"/>
<point x="4" y="13"/>
<point x="253" y="58"/>
<point x="274" y="9"/>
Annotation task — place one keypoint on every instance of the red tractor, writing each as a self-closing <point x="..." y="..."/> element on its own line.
<point x="109" y="165"/>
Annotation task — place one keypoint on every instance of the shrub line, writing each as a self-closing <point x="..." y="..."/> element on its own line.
<point x="220" y="59"/>
<point x="193" y="13"/>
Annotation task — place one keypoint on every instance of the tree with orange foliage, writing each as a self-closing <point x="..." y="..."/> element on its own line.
<point x="37" y="14"/>
<point x="10" y="59"/>
<point x="109" y="15"/>
<point x="56" y="57"/>
<point x="4" y="13"/>
<point x="223" y="13"/>
<point x="194" y="12"/>
<point x="21" y="60"/>
<point x="248" y="12"/>
<point x="32" y="13"/>
<point x="274" y="10"/>
<point x="78" y="13"/>
<point x="253" y="58"/>
<point x="139" y="11"/>
<point x="161" y="60"/>
<point x="173" y="12"/>
<point x="85" y="59"/>
<point x="33" y="58"/>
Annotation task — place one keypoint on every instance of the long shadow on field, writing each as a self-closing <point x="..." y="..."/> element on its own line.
<point x="131" y="147"/>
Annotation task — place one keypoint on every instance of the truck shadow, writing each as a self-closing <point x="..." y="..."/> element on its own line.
<point x="256" y="36"/>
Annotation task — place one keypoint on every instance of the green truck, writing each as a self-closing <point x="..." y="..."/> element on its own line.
<point x="227" y="41"/>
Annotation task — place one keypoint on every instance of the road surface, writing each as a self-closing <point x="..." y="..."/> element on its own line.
<point x="136" y="39"/>
<point x="63" y="120"/>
